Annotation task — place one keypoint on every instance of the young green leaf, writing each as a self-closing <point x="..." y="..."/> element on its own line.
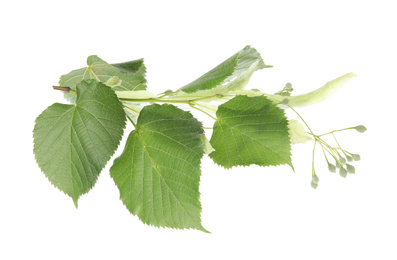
<point x="206" y="145"/>
<point x="158" y="173"/>
<point x="297" y="132"/>
<point x="250" y="130"/>
<point x="232" y="74"/>
<point x="125" y="76"/>
<point x="72" y="143"/>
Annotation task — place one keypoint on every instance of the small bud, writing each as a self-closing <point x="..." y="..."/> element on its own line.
<point x="287" y="94"/>
<point x="361" y="128"/>
<point x="288" y="86"/>
<point x="349" y="158"/>
<point x="350" y="169"/>
<point x="314" y="185"/>
<point x="356" y="157"/>
<point x="342" y="160"/>
<point x="331" y="167"/>
<point x="285" y="101"/>
<point x="315" y="179"/>
<point x="113" y="81"/>
<point x="338" y="165"/>
<point x="167" y="92"/>
<point x="343" y="172"/>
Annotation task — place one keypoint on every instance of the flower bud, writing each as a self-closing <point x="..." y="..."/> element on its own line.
<point x="288" y="87"/>
<point x="285" y="101"/>
<point x="350" y="169"/>
<point x="314" y="185"/>
<point x="356" y="157"/>
<point x="349" y="158"/>
<point x="361" y="128"/>
<point x="331" y="167"/>
<point x="315" y="179"/>
<point x="113" y="81"/>
<point x="343" y="172"/>
<point x="342" y="160"/>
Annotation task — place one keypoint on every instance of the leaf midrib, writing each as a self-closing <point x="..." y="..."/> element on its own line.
<point x="257" y="141"/>
<point x="162" y="177"/>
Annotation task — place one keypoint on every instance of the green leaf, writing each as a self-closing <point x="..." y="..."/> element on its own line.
<point x="232" y="74"/>
<point x="125" y="76"/>
<point x="158" y="173"/>
<point x="72" y="143"/>
<point x="250" y="130"/>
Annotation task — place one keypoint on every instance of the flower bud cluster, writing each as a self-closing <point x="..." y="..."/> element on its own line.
<point x="343" y="158"/>
<point x="286" y="91"/>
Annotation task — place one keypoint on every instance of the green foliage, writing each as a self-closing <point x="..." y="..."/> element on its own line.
<point x="126" y="76"/>
<point x="231" y="74"/>
<point x="72" y="143"/>
<point x="250" y="130"/>
<point x="158" y="172"/>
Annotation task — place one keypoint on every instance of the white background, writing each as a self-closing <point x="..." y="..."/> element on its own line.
<point x="252" y="212"/>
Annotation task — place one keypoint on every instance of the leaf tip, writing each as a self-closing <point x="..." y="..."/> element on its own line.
<point x="292" y="167"/>
<point x="75" y="201"/>
<point x="201" y="228"/>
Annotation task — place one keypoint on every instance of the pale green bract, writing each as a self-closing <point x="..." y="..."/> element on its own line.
<point x="158" y="173"/>
<point x="317" y="95"/>
<point x="72" y="143"/>
<point x="206" y="145"/>
<point x="306" y="99"/>
<point x="297" y="134"/>
<point x="250" y="130"/>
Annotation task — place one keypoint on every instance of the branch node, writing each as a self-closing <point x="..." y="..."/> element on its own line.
<point x="64" y="89"/>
